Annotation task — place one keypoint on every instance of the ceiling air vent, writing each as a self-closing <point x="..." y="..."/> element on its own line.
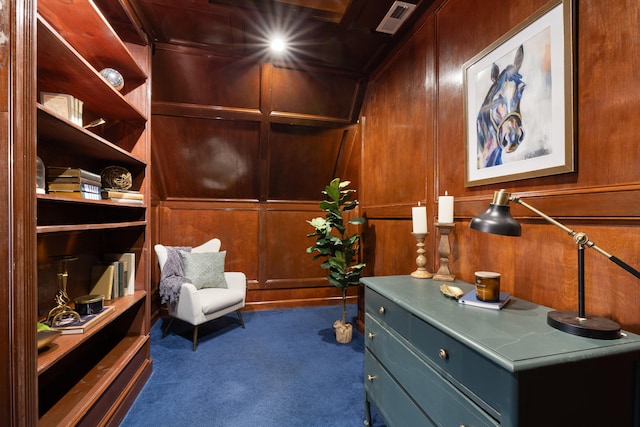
<point x="395" y="17"/>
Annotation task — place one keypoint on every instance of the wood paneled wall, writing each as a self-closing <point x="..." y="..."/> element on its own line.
<point x="242" y="151"/>
<point x="267" y="241"/>
<point x="414" y="105"/>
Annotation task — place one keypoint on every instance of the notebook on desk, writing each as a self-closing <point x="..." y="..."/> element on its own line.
<point x="470" y="298"/>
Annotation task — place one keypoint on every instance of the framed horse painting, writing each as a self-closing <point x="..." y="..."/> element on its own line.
<point x="519" y="114"/>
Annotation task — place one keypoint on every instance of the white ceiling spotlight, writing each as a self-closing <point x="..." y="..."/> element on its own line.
<point x="277" y="43"/>
<point x="395" y="17"/>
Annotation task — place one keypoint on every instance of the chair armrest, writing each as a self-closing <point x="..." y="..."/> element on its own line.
<point x="236" y="280"/>
<point x="188" y="306"/>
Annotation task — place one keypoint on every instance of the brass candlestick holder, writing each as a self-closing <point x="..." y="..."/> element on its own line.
<point x="421" y="260"/>
<point x="444" y="250"/>
<point x="62" y="310"/>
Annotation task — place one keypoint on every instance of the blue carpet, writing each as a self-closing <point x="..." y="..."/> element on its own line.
<point x="284" y="369"/>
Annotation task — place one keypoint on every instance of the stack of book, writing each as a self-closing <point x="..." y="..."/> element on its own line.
<point x="115" y="276"/>
<point x="123" y="196"/>
<point x="74" y="182"/>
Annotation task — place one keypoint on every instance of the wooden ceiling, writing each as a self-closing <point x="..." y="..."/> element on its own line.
<point x="272" y="131"/>
<point x="337" y="34"/>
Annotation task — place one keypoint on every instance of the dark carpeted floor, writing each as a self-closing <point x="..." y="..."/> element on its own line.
<point x="284" y="369"/>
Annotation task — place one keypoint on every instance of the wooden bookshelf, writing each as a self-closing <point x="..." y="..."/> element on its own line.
<point x="92" y="378"/>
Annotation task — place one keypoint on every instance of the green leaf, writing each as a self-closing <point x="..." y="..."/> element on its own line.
<point x="357" y="221"/>
<point x="333" y="189"/>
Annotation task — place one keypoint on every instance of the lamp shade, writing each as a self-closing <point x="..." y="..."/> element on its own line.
<point x="497" y="220"/>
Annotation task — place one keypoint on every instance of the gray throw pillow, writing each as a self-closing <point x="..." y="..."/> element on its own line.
<point x="205" y="270"/>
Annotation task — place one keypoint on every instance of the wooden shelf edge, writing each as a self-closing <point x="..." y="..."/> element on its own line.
<point x="78" y="401"/>
<point x="67" y="343"/>
<point x="43" y="229"/>
<point x="56" y="198"/>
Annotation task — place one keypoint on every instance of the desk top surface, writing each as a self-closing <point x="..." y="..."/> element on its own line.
<point x="516" y="337"/>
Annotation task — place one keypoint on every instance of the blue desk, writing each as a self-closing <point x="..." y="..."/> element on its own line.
<point x="432" y="361"/>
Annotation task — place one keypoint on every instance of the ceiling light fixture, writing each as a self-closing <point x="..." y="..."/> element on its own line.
<point x="278" y="44"/>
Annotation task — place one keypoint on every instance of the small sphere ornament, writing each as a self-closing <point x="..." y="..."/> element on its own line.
<point x="114" y="78"/>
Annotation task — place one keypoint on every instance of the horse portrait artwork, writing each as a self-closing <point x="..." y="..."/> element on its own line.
<point x="518" y="102"/>
<point x="499" y="121"/>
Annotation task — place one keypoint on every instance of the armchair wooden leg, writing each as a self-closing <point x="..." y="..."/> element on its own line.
<point x="195" y="337"/>
<point x="241" y="319"/>
<point x="166" y="330"/>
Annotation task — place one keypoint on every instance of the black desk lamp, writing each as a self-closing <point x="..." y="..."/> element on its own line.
<point x="498" y="220"/>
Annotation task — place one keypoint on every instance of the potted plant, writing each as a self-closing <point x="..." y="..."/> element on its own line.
<point x="337" y="247"/>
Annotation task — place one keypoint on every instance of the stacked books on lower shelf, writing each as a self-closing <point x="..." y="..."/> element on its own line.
<point x="123" y="196"/>
<point x="115" y="276"/>
<point x="74" y="182"/>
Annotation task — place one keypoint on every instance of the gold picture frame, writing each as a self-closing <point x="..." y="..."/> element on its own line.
<point x="519" y="101"/>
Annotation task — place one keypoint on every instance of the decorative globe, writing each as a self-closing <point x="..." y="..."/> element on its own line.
<point x="114" y="78"/>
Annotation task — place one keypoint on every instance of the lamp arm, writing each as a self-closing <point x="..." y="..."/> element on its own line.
<point x="579" y="238"/>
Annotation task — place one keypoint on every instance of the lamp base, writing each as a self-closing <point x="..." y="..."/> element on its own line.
<point x="590" y="327"/>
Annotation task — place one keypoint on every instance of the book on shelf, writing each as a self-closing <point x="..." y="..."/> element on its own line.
<point x="63" y="105"/>
<point x="119" y="200"/>
<point x="117" y="287"/>
<point x="128" y="261"/>
<point x="54" y="172"/>
<point x="102" y="275"/>
<point x="75" y="326"/>
<point x="73" y="180"/>
<point x="76" y="194"/>
<point x="470" y="298"/>
<point x="78" y="186"/>
<point x="110" y="193"/>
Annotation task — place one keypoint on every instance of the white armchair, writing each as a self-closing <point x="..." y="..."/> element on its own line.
<point x="197" y="306"/>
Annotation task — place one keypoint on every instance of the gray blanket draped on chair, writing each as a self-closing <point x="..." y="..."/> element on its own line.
<point x="172" y="275"/>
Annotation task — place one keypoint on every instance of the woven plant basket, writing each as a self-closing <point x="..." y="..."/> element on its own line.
<point x="344" y="332"/>
<point x="116" y="177"/>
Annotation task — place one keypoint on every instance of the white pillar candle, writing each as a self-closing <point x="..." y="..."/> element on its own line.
<point x="419" y="217"/>
<point x="445" y="209"/>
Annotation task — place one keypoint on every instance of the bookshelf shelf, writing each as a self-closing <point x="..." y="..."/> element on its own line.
<point x="62" y="199"/>
<point x="96" y="93"/>
<point x="59" y="133"/>
<point x="64" y="344"/>
<point x="87" y="227"/>
<point x="110" y="52"/>
<point x="90" y="390"/>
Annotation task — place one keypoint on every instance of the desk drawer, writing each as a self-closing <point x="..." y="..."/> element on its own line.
<point x="390" y="400"/>
<point x="438" y="398"/>
<point x="486" y="383"/>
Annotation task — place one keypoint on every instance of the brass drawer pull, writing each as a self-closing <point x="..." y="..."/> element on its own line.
<point x="381" y="310"/>
<point x="370" y="378"/>
<point x="371" y="335"/>
<point x="442" y="353"/>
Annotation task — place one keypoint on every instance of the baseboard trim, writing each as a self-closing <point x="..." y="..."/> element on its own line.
<point x="297" y="303"/>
